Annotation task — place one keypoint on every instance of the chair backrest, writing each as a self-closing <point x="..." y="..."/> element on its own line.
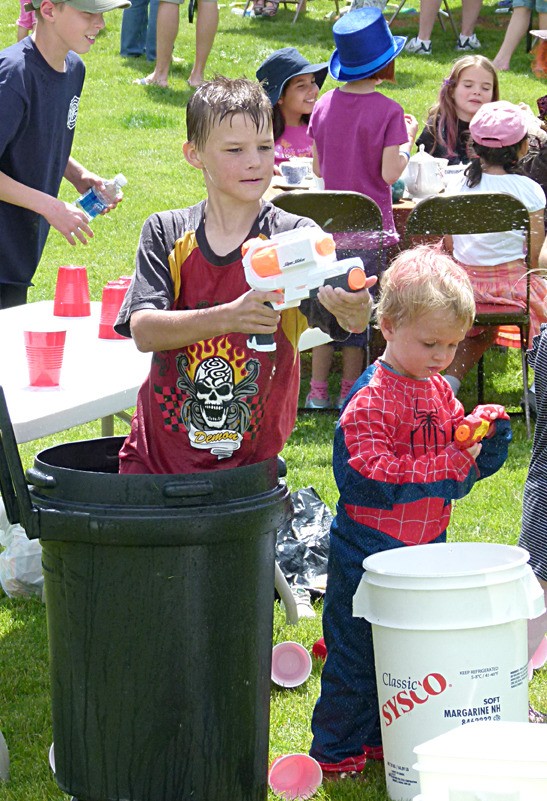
<point x="470" y="213"/>
<point x="334" y="212"/>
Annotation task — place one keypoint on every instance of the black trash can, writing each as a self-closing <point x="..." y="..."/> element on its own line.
<point x="159" y="599"/>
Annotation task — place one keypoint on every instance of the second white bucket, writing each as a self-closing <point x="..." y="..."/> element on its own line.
<point x="450" y="642"/>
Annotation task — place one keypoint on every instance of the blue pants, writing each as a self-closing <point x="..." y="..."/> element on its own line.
<point x="138" y="36"/>
<point x="346" y="715"/>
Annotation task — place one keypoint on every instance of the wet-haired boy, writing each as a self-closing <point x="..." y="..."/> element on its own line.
<point x="211" y="401"/>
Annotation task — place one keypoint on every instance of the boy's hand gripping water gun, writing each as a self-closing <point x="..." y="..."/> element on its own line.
<point x="295" y="264"/>
<point x="478" y="425"/>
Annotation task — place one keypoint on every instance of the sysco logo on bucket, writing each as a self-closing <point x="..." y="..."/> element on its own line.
<point x="415" y="693"/>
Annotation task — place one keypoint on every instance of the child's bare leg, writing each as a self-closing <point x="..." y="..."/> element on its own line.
<point x="516" y="30"/>
<point x="352" y="362"/>
<point x="321" y="362"/>
<point x="352" y="367"/>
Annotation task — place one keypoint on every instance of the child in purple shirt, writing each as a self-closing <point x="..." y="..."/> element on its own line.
<point x="362" y="143"/>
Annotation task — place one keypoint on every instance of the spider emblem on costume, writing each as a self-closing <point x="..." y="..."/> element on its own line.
<point x="427" y="432"/>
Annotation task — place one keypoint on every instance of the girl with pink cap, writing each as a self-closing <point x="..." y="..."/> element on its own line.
<point x="495" y="261"/>
<point x="362" y="141"/>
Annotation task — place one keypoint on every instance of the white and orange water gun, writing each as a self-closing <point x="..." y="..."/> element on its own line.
<point x="295" y="264"/>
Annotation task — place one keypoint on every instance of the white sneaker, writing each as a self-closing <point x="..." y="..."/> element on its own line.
<point x="468" y="43"/>
<point x="418" y="46"/>
<point x="318" y="403"/>
<point x="303" y="601"/>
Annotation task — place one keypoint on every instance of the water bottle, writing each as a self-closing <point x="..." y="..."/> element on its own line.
<point x="95" y="201"/>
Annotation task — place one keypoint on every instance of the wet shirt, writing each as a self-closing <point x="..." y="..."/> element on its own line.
<point x="217" y="403"/>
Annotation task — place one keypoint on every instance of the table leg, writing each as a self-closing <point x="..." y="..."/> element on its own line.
<point x="107" y="426"/>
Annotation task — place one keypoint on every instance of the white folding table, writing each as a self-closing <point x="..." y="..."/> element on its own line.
<point x="99" y="377"/>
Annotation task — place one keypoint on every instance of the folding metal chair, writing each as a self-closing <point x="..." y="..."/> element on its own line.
<point x="300" y="6"/>
<point x="334" y="212"/>
<point x="481" y="213"/>
<point x="442" y="12"/>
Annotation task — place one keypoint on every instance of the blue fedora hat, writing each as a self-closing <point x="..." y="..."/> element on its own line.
<point x="364" y="45"/>
<point x="284" y="64"/>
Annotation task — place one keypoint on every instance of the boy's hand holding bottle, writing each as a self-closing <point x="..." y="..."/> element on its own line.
<point x="98" y="196"/>
<point x="101" y="196"/>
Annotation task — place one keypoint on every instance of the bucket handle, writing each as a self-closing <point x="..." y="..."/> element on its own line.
<point x="13" y="484"/>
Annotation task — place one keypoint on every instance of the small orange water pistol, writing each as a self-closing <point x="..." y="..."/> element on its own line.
<point x="472" y="429"/>
<point x="295" y="264"/>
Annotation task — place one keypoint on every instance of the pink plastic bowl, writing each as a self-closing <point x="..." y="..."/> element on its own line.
<point x="291" y="664"/>
<point x="295" y="776"/>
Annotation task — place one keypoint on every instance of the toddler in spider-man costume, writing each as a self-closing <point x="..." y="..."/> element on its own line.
<point x="397" y="468"/>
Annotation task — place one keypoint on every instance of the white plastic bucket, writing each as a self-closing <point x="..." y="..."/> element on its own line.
<point x="487" y="761"/>
<point x="450" y="642"/>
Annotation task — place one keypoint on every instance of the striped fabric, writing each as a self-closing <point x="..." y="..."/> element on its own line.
<point x="534" y="513"/>
<point x="505" y="284"/>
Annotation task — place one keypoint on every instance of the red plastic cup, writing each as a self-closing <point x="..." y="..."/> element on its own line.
<point x="113" y="295"/>
<point x="44" y="357"/>
<point x="319" y="649"/>
<point x="291" y="664"/>
<point x="71" y="292"/>
<point x="295" y="776"/>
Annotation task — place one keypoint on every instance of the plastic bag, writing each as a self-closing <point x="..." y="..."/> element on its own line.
<point x="302" y="547"/>
<point x="20" y="561"/>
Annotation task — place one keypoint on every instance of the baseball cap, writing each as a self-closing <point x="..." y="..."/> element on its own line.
<point x="89" y="6"/>
<point x="498" y="124"/>
<point x="283" y="65"/>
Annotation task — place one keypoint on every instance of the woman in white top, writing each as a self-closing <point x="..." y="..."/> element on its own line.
<point x="495" y="261"/>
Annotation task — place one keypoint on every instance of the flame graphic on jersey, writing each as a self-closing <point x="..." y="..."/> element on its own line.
<point x="222" y="348"/>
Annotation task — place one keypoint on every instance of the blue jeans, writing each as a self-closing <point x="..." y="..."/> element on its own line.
<point x="346" y="715"/>
<point x="138" y="36"/>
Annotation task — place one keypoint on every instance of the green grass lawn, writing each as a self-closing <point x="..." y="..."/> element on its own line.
<point x="139" y="131"/>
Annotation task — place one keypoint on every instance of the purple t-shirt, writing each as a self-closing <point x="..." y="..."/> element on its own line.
<point x="293" y="142"/>
<point x="350" y="133"/>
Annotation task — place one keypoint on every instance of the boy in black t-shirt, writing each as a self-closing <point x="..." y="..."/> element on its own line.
<point x="41" y="79"/>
